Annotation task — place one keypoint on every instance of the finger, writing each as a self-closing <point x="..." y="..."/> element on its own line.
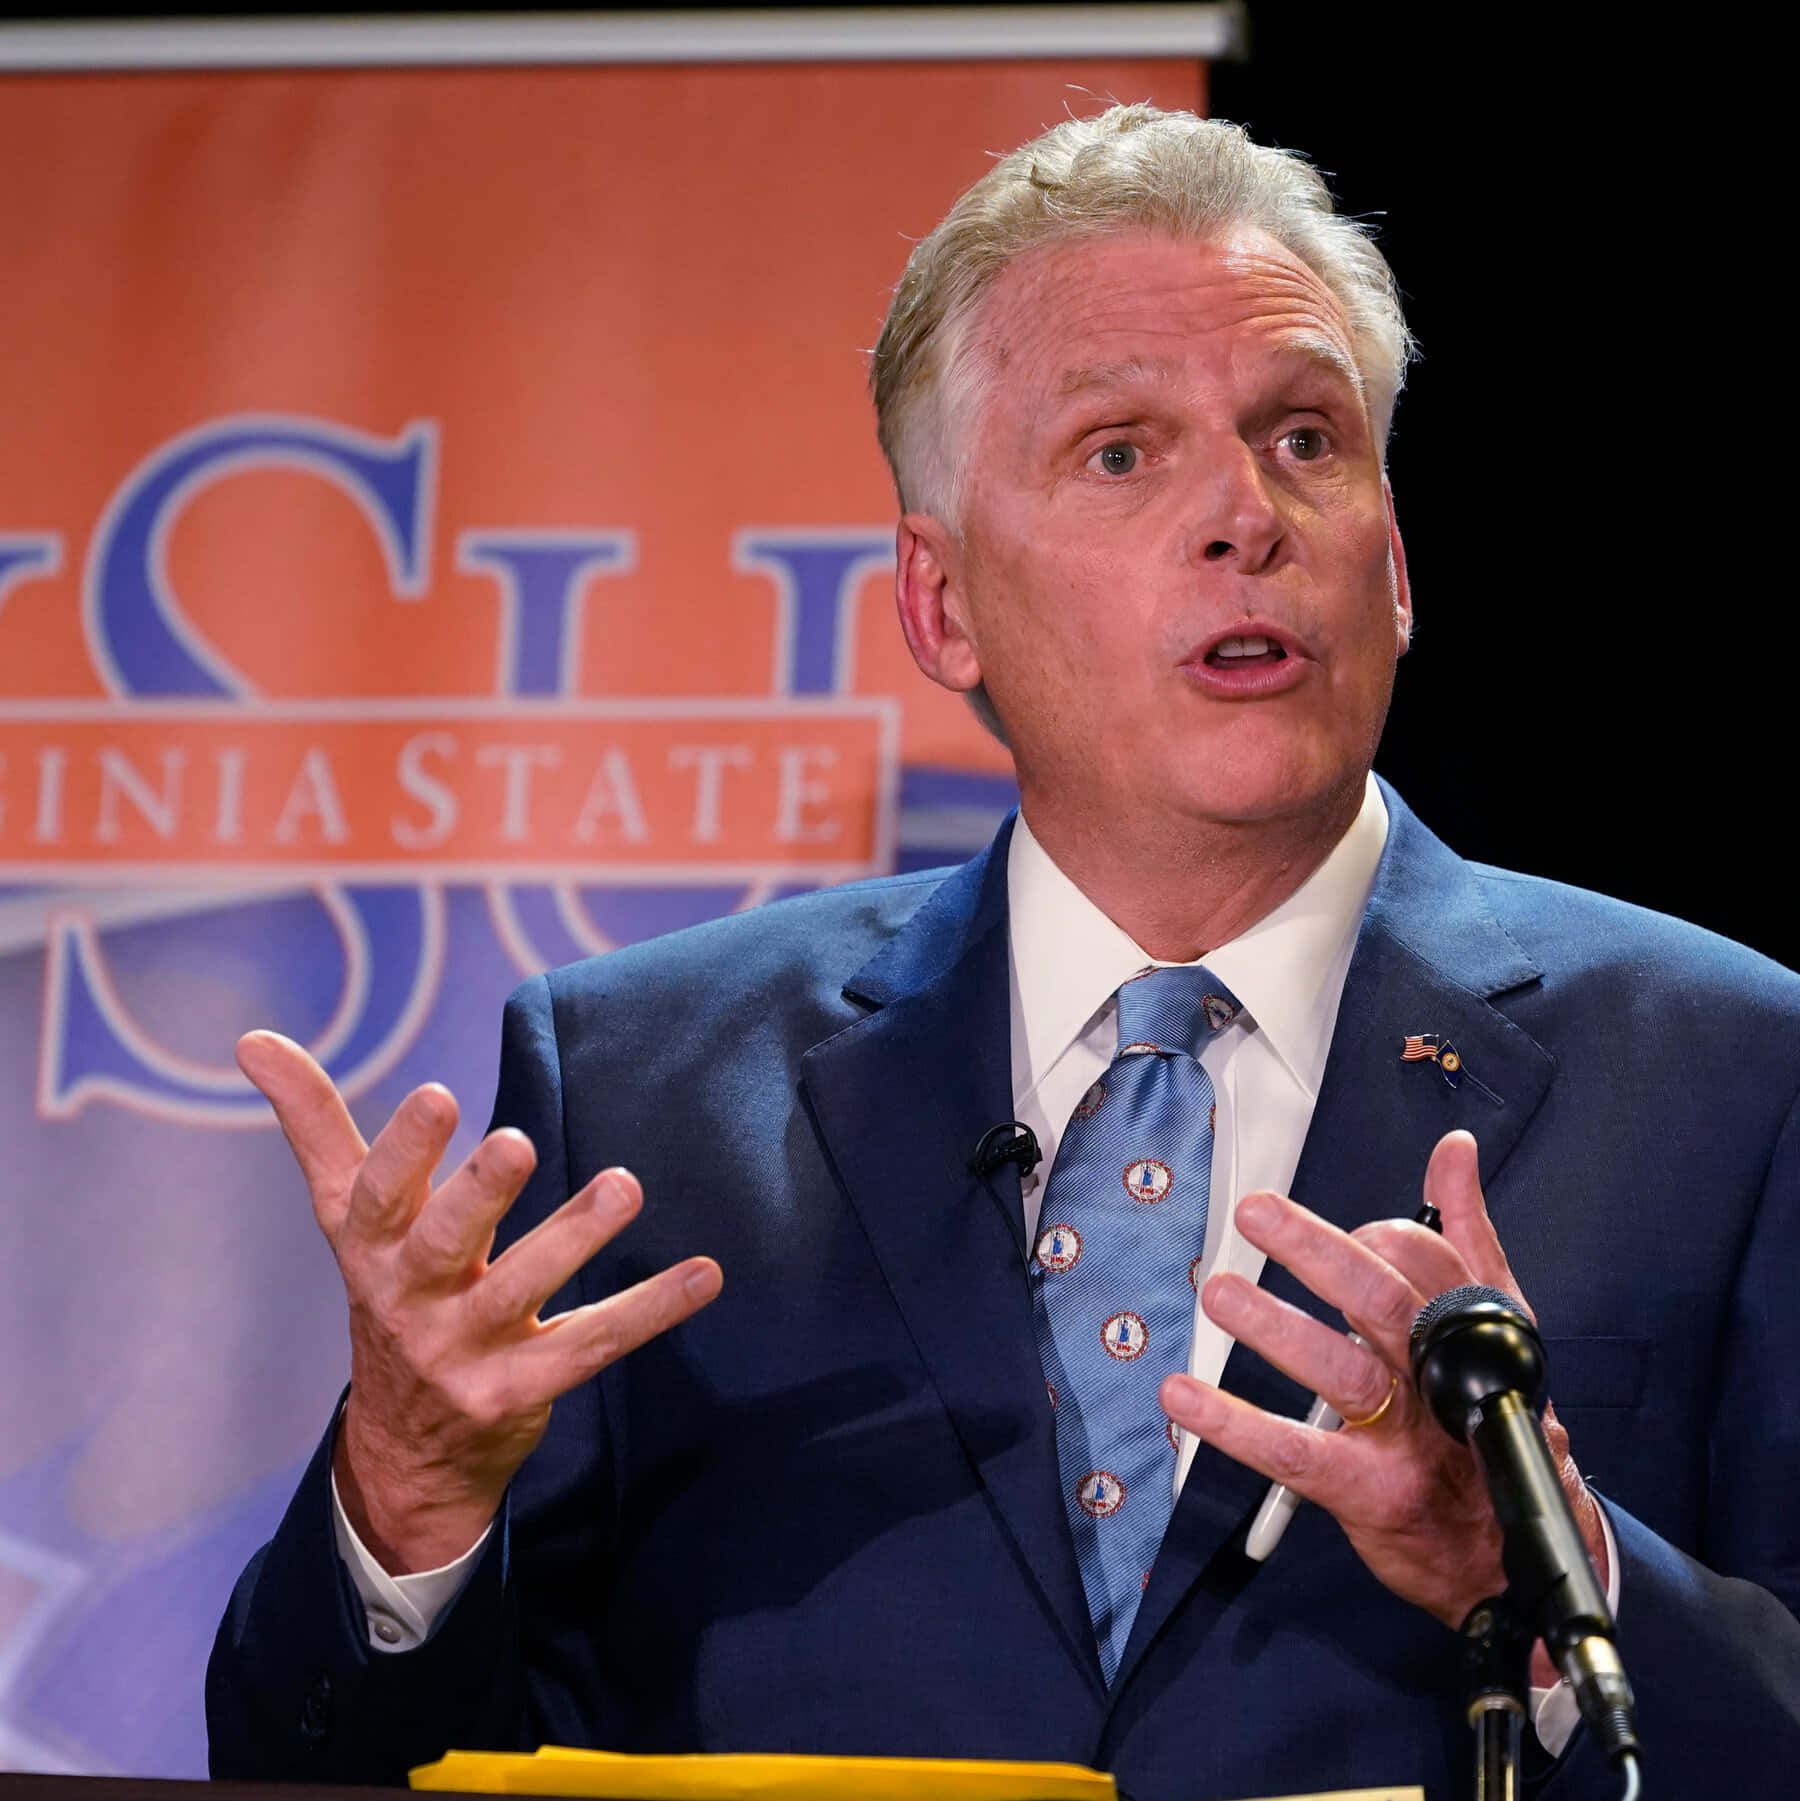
<point x="312" y="1117"/>
<point x="1453" y="1186"/>
<point x="518" y="1283"/>
<point x="395" y="1177"/>
<point x="453" y="1230"/>
<point x="1340" y="1271"/>
<point x="1312" y="1463"/>
<point x="573" y="1346"/>
<point x="1427" y="1261"/>
<point x="1349" y="1375"/>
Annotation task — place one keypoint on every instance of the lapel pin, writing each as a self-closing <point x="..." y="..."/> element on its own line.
<point x="1428" y="1047"/>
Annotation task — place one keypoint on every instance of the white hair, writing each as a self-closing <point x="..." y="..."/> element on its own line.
<point x="1130" y="167"/>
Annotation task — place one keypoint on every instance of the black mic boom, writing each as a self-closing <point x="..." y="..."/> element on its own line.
<point x="1479" y="1364"/>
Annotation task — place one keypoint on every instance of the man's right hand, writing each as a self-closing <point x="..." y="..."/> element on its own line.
<point x="451" y="1371"/>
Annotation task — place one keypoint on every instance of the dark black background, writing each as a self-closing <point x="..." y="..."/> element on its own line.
<point x="1589" y="210"/>
<point x="1584" y="207"/>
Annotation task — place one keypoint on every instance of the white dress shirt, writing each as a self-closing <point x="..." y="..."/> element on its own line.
<point x="1067" y="961"/>
<point x="1287" y="972"/>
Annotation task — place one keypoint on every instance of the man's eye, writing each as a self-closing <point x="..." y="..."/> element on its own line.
<point x="1114" y="459"/>
<point x="1307" y="443"/>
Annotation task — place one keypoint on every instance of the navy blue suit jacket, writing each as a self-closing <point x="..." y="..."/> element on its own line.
<point x="824" y="1514"/>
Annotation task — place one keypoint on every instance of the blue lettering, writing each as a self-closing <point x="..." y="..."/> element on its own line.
<point x="816" y="575"/>
<point x="392" y="943"/>
<point x="142" y="643"/>
<point x="542" y="576"/>
<point x="22" y="557"/>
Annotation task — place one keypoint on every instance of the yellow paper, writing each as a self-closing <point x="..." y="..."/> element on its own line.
<point x="751" y="1776"/>
<point x="1413" y="1793"/>
<point x="748" y="1776"/>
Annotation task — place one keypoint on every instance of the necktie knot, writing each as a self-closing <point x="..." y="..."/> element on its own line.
<point x="1170" y="1009"/>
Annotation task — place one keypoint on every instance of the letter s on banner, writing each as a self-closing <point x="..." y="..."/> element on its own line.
<point x="144" y="646"/>
<point x="141" y="641"/>
<point x="92" y="1049"/>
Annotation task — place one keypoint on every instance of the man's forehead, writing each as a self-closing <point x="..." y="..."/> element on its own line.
<point x="1086" y="304"/>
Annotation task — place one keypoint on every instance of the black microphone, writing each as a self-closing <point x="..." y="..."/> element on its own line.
<point x="1479" y="1364"/>
<point x="1008" y="1142"/>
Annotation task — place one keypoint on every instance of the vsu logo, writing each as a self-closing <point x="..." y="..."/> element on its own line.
<point x="183" y="777"/>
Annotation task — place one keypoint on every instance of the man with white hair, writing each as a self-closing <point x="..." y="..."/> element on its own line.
<point x="963" y="1460"/>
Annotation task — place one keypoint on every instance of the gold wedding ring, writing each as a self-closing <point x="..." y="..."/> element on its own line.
<point x="1393" y="1389"/>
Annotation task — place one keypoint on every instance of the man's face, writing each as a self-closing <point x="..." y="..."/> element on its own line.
<point x="1177" y="571"/>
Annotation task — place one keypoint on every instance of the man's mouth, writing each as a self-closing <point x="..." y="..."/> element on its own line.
<point x="1245" y="653"/>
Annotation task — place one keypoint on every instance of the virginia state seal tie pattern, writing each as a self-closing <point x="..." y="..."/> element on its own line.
<point x="1120" y="1236"/>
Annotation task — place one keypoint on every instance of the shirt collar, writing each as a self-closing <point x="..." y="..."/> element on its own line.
<point x="1287" y="969"/>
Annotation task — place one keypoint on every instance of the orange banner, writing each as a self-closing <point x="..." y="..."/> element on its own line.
<point x="629" y="301"/>
<point x="442" y="536"/>
<point x="720" y="790"/>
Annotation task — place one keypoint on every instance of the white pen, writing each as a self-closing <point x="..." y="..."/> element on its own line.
<point x="1279" y="1503"/>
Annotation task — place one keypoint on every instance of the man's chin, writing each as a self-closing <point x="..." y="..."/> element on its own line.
<point x="1300" y="797"/>
<point x="1308" y="789"/>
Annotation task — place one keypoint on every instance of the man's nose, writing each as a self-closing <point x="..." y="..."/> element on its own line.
<point x="1235" y="518"/>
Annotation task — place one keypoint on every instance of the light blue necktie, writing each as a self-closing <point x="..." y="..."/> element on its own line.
<point x="1120" y="1236"/>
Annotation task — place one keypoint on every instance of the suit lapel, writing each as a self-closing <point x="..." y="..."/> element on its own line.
<point x="1431" y="958"/>
<point x="899" y="1100"/>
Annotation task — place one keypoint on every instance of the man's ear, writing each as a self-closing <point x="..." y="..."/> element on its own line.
<point x="929" y="592"/>
<point x="1403" y="610"/>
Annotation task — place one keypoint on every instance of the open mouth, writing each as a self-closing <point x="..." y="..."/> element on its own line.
<point x="1245" y="653"/>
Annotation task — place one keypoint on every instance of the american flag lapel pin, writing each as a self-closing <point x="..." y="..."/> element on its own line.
<point x="1429" y="1047"/>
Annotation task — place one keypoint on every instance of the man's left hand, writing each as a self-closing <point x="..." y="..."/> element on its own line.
<point x="1411" y="1500"/>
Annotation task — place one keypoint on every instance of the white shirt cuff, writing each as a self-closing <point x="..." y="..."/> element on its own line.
<point x="1554" y="1714"/>
<point x="401" y="1610"/>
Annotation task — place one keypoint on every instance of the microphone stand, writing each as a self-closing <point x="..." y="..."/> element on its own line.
<point x="1497" y="1661"/>
<point x="1479" y="1363"/>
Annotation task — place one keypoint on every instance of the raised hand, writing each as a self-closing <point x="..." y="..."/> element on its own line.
<point x="1411" y="1500"/>
<point x="452" y="1373"/>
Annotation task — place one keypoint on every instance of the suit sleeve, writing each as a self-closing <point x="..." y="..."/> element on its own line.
<point x="1753" y="1476"/>
<point x="293" y="1692"/>
<point x="1713" y="1647"/>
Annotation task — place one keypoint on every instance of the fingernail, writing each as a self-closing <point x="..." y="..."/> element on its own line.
<point x="1256" y="1211"/>
<point x="513" y="1151"/>
<point x="1181" y="1391"/>
<point x="1225" y="1302"/>
<point x="703" y="1281"/>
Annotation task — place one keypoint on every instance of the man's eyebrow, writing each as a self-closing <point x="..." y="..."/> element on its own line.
<point x="1323" y="353"/>
<point x="1317" y="352"/>
<point x="1124" y="373"/>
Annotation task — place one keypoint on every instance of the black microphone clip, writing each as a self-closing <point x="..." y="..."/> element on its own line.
<point x="1008" y="1142"/>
